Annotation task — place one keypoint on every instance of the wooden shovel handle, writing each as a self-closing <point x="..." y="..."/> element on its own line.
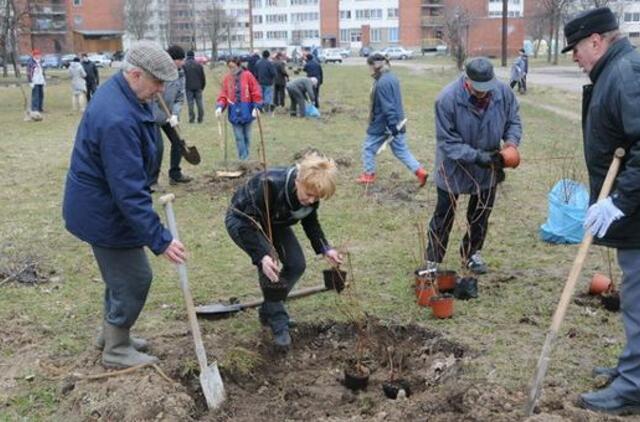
<point x="569" y="287"/>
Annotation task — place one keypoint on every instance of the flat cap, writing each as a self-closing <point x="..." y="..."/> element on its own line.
<point x="151" y="57"/>
<point x="376" y="57"/>
<point x="479" y="71"/>
<point x="594" y="21"/>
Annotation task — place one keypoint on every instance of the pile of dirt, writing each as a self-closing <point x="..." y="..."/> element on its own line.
<point x="395" y="190"/>
<point x="26" y="271"/>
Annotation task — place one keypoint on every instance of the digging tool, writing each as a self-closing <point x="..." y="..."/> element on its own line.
<point x="386" y="142"/>
<point x="567" y="292"/>
<point x="226" y="173"/>
<point x="210" y="379"/>
<point x="221" y="310"/>
<point x="190" y="153"/>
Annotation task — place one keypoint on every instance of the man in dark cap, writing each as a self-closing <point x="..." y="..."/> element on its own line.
<point x="387" y="123"/>
<point x="173" y="96"/>
<point x="610" y="120"/>
<point x="475" y="114"/>
<point x="107" y="202"/>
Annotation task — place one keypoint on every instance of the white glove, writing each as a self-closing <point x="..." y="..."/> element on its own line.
<point x="255" y="112"/>
<point x="218" y="112"/>
<point x="600" y="216"/>
<point x="173" y="120"/>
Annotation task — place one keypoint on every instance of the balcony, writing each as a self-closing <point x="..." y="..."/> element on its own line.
<point x="48" y="9"/>
<point x="428" y="21"/>
<point x="48" y="26"/>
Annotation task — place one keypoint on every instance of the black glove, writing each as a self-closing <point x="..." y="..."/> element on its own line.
<point x="484" y="159"/>
<point x="497" y="161"/>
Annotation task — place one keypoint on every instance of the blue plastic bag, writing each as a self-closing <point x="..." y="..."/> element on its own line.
<point x="311" y="111"/>
<point x="568" y="203"/>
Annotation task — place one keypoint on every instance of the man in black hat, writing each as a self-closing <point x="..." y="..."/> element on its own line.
<point x="610" y="120"/>
<point x="474" y="115"/>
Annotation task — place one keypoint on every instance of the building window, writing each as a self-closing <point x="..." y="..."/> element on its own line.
<point x="344" y="35"/>
<point x="257" y="35"/>
<point x="276" y="35"/>
<point x="302" y="2"/>
<point x="392" y="13"/>
<point x="365" y="14"/>
<point x="280" y="18"/>
<point x="257" y="19"/>
<point x="514" y="8"/>
<point x="345" y="14"/>
<point x="77" y="2"/>
<point x="305" y="17"/>
<point x="376" y="35"/>
<point x="634" y="34"/>
<point x="256" y="3"/>
<point x="299" y="35"/>
<point x="77" y="21"/>
<point x="393" y="34"/>
<point x="356" y="36"/>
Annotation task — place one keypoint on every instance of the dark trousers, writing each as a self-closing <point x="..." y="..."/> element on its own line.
<point x="293" y="266"/>
<point x="316" y="92"/>
<point x="297" y="100"/>
<point x="127" y="277"/>
<point x="478" y="212"/>
<point x="195" y="96"/>
<point x="91" y="89"/>
<point x="37" y="98"/>
<point x="278" y="95"/>
<point x="175" y="172"/>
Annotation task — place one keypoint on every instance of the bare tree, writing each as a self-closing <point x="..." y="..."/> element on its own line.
<point x="457" y="33"/>
<point x="555" y="10"/>
<point x="215" y="23"/>
<point x="11" y="23"/>
<point x="536" y="29"/>
<point x="137" y="16"/>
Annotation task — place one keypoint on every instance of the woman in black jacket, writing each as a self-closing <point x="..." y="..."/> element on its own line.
<point x="259" y="219"/>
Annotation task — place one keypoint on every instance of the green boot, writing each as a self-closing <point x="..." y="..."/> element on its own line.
<point x="138" y="343"/>
<point x="118" y="351"/>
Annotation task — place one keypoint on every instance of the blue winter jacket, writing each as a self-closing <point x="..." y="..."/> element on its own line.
<point x="266" y="72"/>
<point x="386" y="105"/>
<point x="107" y="201"/>
<point x="313" y="69"/>
<point x="462" y="132"/>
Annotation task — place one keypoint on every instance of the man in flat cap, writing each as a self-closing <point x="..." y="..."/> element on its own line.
<point x="387" y="123"/>
<point x="610" y="120"/>
<point x="475" y="114"/>
<point x="107" y="201"/>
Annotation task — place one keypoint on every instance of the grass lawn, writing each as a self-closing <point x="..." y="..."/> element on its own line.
<point x="52" y="324"/>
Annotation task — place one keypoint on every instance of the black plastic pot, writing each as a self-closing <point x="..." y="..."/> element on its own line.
<point x="274" y="292"/>
<point x="354" y="380"/>
<point x="611" y="301"/>
<point x="334" y="279"/>
<point x="466" y="288"/>
<point x="392" y="388"/>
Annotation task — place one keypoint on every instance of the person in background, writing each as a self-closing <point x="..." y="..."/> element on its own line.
<point x="240" y="95"/>
<point x="266" y="72"/>
<point x="300" y="91"/>
<point x="280" y="81"/>
<point x="78" y="85"/>
<point x="313" y="69"/>
<point x="93" y="77"/>
<point x="525" y="70"/>
<point x="36" y="78"/>
<point x="195" y="82"/>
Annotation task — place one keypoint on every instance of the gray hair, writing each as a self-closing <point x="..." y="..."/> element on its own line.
<point x="128" y="67"/>
<point x="612" y="36"/>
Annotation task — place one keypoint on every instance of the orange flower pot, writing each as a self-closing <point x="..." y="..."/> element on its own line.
<point x="511" y="156"/>
<point x="600" y="283"/>
<point x="424" y="294"/>
<point x="442" y="306"/>
<point x="446" y="280"/>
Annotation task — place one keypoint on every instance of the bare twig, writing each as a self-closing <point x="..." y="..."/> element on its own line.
<point x="16" y="274"/>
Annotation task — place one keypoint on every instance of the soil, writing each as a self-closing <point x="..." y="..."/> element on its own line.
<point x="26" y="271"/>
<point x="396" y="189"/>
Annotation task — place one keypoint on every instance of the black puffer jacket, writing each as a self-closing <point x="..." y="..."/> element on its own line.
<point x="610" y="120"/>
<point x="248" y="204"/>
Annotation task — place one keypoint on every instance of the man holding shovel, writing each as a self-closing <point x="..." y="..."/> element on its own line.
<point x="386" y="120"/>
<point x="611" y="121"/>
<point x="107" y="201"/>
<point x="474" y="114"/>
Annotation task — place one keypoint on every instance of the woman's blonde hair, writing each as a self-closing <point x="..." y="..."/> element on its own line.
<point x="317" y="174"/>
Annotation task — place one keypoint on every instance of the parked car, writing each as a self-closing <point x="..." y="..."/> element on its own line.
<point x="396" y="53"/>
<point x="330" y="55"/>
<point x="434" y="45"/>
<point x="51" y="61"/>
<point x="100" y="60"/>
<point x="67" y="59"/>
<point x="345" y="52"/>
<point x="365" y="51"/>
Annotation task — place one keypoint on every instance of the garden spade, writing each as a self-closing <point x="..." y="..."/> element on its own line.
<point x="190" y="153"/>
<point x="389" y="138"/>
<point x="567" y="292"/>
<point x="210" y="379"/>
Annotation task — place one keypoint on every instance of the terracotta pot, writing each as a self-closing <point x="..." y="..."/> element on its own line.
<point x="600" y="283"/>
<point x="442" y="306"/>
<point x="511" y="156"/>
<point x="446" y="280"/>
<point x="424" y="294"/>
<point x="334" y="279"/>
<point x="356" y="379"/>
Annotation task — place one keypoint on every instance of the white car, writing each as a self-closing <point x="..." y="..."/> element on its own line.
<point x="331" y="55"/>
<point x="100" y="60"/>
<point x="396" y="53"/>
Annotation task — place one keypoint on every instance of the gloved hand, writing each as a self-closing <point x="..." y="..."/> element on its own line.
<point x="173" y="120"/>
<point x="497" y="161"/>
<point x="255" y="112"/>
<point x="600" y="216"/>
<point x="484" y="159"/>
<point x="218" y="112"/>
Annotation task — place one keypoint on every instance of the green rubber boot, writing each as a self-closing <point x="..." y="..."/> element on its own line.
<point x="138" y="343"/>
<point x="118" y="351"/>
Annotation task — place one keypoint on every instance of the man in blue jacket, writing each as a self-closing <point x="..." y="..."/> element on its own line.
<point x="266" y="72"/>
<point x="107" y="202"/>
<point x="474" y="114"/>
<point x="313" y="69"/>
<point x="610" y="120"/>
<point x="386" y="123"/>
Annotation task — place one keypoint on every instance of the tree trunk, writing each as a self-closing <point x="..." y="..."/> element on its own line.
<point x="551" y="32"/>
<point x="557" y="46"/>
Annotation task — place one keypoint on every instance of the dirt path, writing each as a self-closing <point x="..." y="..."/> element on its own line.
<point x="557" y="110"/>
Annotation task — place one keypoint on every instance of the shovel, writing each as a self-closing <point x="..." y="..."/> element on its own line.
<point x="190" y="153"/>
<point x="226" y="173"/>
<point x="567" y="292"/>
<point x="389" y="138"/>
<point x="220" y="310"/>
<point x="210" y="379"/>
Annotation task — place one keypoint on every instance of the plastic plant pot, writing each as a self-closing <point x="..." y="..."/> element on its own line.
<point x="510" y="156"/>
<point x="424" y="294"/>
<point x="442" y="306"/>
<point x="600" y="283"/>
<point x="334" y="279"/>
<point x="611" y="301"/>
<point x="392" y="388"/>
<point x="356" y="377"/>
<point x="274" y="292"/>
<point x="446" y="280"/>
